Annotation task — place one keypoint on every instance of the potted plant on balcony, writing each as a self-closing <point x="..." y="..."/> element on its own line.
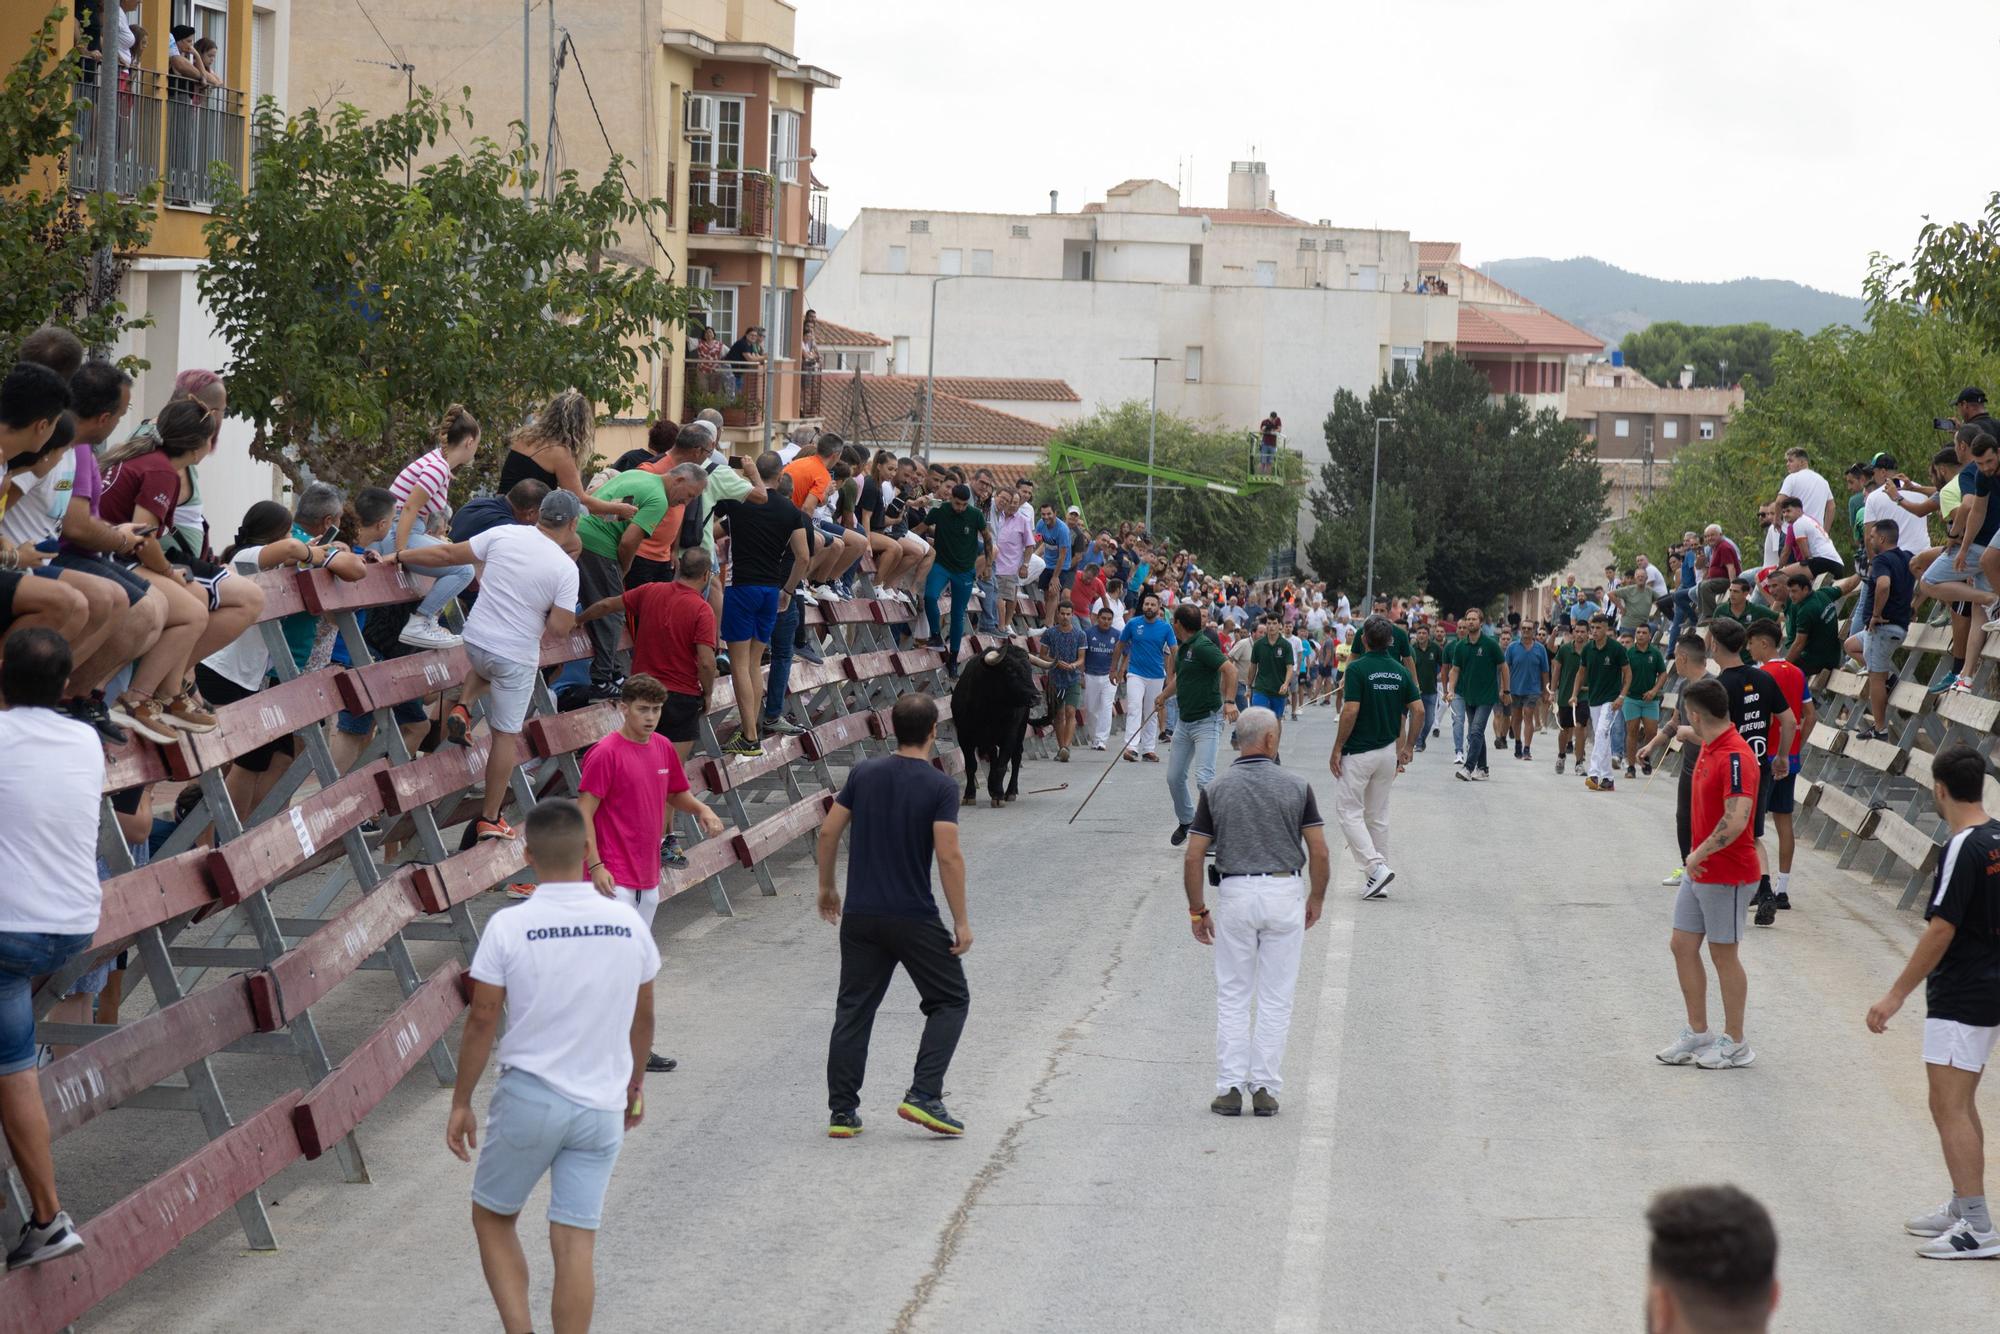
<point x="699" y="217"/>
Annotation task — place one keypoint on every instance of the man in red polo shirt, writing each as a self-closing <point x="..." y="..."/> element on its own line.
<point x="1721" y="877"/>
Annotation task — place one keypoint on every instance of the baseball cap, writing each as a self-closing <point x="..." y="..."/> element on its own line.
<point x="561" y="508"/>
<point x="1881" y="461"/>
<point x="1971" y="394"/>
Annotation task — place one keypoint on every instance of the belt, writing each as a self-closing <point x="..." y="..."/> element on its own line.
<point x="1258" y="875"/>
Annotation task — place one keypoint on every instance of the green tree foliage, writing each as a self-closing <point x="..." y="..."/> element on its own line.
<point x="1842" y="395"/>
<point x="1721" y="354"/>
<point x="1954" y="272"/>
<point x="49" y="238"/>
<point x="1225" y="534"/>
<point x="360" y="309"/>
<point x="1493" y="496"/>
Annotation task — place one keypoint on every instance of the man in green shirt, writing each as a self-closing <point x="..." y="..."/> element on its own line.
<point x="1474" y="679"/>
<point x="1642" y="697"/>
<point x="1400" y="649"/>
<point x="964" y="552"/>
<point x="1202" y="681"/>
<point x="608" y="547"/>
<point x="1635" y="601"/>
<point x="1601" y="685"/>
<point x="1271" y="666"/>
<point x="1427" y="661"/>
<point x="618" y="539"/>
<point x="1812" y="624"/>
<point x="1740" y="608"/>
<point x="1573" y="730"/>
<point x="1381" y="716"/>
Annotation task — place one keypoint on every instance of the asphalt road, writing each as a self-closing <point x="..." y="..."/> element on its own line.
<point x="1473" y="1120"/>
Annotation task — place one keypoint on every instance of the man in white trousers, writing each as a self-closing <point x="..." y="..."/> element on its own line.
<point x="1141" y="665"/>
<point x="1265" y="828"/>
<point x="1381" y="717"/>
<point x="1601" y="683"/>
<point x="1100" y="648"/>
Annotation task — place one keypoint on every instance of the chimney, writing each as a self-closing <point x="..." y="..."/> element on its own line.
<point x="1249" y="186"/>
<point x="1052" y="201"/>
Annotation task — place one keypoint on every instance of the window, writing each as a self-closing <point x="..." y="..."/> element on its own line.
<point x="1267" y="273"/>
<point x="919" y="226"/>
<point x="1621" y="428"/>
<point x="785" y="146"/>
<point x="1193" y="365"/>
<point x="899" y="358"/>
<point x="1403" y="361"/>
<point x="899" y="259"/>
<point x="1019" y="231"/>
<point x="1670" y="430"/>
<point x="1708" y="430"/>
<point x="951" y="261"/>
<point x="780" y="304"/>
<point x="718" y="142"/>
<point x="720" y="304"/>
<point x="1307" y="243"/>
<point x="982" y="263"/>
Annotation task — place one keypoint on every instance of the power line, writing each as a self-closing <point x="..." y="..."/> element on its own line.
<point x="645" y="216"/>
<point x="378" y="32"/>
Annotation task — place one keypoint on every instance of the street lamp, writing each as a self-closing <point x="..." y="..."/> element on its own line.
<point x="1374" y="490"/>
<point x="1152" y="432"/>
<point x="771" y="333"/>
<point x="930" y="363"/>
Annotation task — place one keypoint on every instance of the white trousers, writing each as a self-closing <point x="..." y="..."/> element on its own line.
<point x="1098" y="693"/>
<point x="1603" y="717"/>
<point x="1361" y="800"/>
<point x="1141" y="693"/>
<point x="645" y="902"/>
<point x="1260" y="925"/>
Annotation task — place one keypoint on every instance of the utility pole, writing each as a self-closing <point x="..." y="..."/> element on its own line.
<point x="104" y="117"/>
<point x="527" y="78"/>
<point x="1152" y="435"/>
<point x="1374" y="490"/>
<point x="409" y="96"/>
<point x="930" y="363"/>
<point x="771" y="333"/>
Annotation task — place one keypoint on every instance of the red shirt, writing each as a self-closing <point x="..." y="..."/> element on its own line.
<point x="1792" y="685"/>
<point x="667" y="621"/>
<point x="1083" y="594"/>
<point x="149" y="481"/>
<point x="1724" y="560"/>
<point x="1727" y="768"/>
<point x="632" y="784"/>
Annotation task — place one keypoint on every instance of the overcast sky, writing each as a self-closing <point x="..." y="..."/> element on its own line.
<point x="1698" y="141"/>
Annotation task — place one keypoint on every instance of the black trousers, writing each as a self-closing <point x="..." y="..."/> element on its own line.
<point x="597" y="579"/>
<point x="1683" y="794"/>
<point x="870" y="949"/>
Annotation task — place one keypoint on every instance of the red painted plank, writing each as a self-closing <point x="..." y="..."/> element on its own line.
<point x="560" y="733"/>
<point x="336" y="1104"/>
<point x="442" y="773"/>
<point x="307" y="971"/>
<point x="128" y="1238"/>
<point x="282" y="844"/>
<point x="849" y="611"/>
<point x="414" y="676"/>
<point x="155" y="893"/>
<point x="866" y="666"/>
<point x="706" y="858"/>
<point x="471" y="873"/>
<point x="835" y="734"/>
<point x="281" y="593"/>
<point x="382" y="586"/>
<point x="951" y="761"/>
<point x="767" y="836"/>
<point x="271" y="713"/>
<point x="137" y="761"/>
<point x="719" y="775"/>
<point x="911" y="661"/>
<point x="812" y="675"/>
<point x="557" y="649"/>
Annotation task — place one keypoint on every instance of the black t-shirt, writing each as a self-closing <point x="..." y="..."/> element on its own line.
<point x="871" y="504"/>
<point x="1965" y="985"/>
<point x="634" y="458"/>
<point x="740" y="351"/>
<point x="1754" y="705"/>
<point x="1895" y="609"/>
<point x="760" y="538"/>
<point x="893" y="801"/>
<point x="476" y="516"/>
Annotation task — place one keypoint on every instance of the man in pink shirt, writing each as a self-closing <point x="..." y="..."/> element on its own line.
<point x="629" y="780"/>
<point x="1013" y="533"/>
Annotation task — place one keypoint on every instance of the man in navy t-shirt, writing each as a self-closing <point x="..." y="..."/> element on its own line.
<point x="1100" y="647"/>
<point x="904" y="811"/>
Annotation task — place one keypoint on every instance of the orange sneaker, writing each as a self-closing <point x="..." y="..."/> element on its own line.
<point x="483" y="829"/>
<point x="184" y="713"/>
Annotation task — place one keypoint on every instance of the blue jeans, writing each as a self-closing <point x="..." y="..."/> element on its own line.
<point x="25" y="956"/>
<point x="1173" y="713"/>
<point x="1683" y="616"/>
<point x="446" y="583"/>
<point x="1458" y="724"/>
<point x="989" y="605"/>
<point x="1194" y="744"/>
<point x="783" y="632"/>
<point x="1275" y="703"/>
<point x="1430" y="718"/>
<point x="961" y="592"/>
<point x="1477" y="718"/>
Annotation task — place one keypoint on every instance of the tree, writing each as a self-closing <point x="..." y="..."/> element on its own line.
<point x="1225" y="534"/>
<point x="1496" y="496"/>
<point x="359" y="309"/>
<point x="1721" y="354"/>
<point x="50" y="238"/>
<point x="1339" y="547"/>
<point x="1953" y="272"/>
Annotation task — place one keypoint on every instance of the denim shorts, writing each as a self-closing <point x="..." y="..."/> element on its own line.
<point x="25" y="956"/>
<point x="532" y="1131"/>
<point x="1878" y="645"/>
<point x="409" y="712"/>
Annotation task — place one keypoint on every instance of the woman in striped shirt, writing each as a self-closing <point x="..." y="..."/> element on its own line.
<point x="421" y="490"/>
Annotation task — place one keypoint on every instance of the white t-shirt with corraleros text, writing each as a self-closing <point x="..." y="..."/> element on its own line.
<point x="525" y="576"/>
<point x="572" y="962"/>
<point x="51" y="783"/>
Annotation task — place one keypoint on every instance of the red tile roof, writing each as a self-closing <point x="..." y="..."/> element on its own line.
<point x="1016" y="390"/>
<point x="886" y="402"/>
<point x="839" y="335"/>
<point x="1520" y="329"/>
<point x="1436" y="252"/>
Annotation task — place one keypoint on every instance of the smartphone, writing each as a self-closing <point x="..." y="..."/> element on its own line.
<point x="146" y="532"/>
<point x="1944" y="424"/>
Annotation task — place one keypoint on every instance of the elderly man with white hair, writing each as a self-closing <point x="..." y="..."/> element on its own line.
<point x="1265" y="827"/>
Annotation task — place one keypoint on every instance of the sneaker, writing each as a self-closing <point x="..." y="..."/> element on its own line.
<point x="519" y="890"/>
<point x="145" y="717"/>
<point x="1437" y="732"/>
<point x="809" y="652"/>
<point x="782" y="725"/>
<point x="184" y="713"/>
<point x="1527" y="752"/>
<point x="1062" y="754"/>
<point x="90" y="709"/>
<point x="670" y="852"/>
<point x="1559" y="762"/>
<point x="1631" y="771"/>
<point x="1150" y="757"/>
<point x="457" y="724"/>
<point x="1377" y="887"/>
<point x="657" y="1064"/>
<point x="1686" y="1048"/>
<point x="1726" y="1054"/>
<point x="1263" y="1104"/>
<point x="1961" y="686"/>
<point x="484" y="829"/>
<point x="930" y="1114"/>
<point x="1962" y="1242"/>
<point x="57" y="1237"/>
<point x="1227" y="1104"/>
<point x="1167" y="735"/>
<point x="805" y="597"/>
<point x="1782" y="901"/>
<point x="1179" y="836"/>
<point x="1607" y="785"/>
<point x="826" y="593"/>
<point x="1517" y="750"/>
<point x="1645" y="767"/>
<point x="1463" y="775"/>
<point x="1673" y="877"/>
<point x="1458" y="757"/>
<point x="1097" y="745"/>
<point x="1767" y="909"/>
<point x="1482" y="775"/>
<point x="425" y="632"/>
<point x="1942" y="684"/>
<point x="843" y="1125"/>
<point x="738" y="744"/>
<point x="1935" y="1223"/>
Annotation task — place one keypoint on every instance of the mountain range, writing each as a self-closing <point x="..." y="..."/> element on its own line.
<point x="1612" y="302"/>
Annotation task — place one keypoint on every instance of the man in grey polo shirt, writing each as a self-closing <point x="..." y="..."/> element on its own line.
<point x="1265" y="827"/>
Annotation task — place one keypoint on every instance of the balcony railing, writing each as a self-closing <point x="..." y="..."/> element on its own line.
<point x="204" y="125"/>
<point x="816" y="221"/>
<point x="136" y="153"/>
<point x="731" y="202"/>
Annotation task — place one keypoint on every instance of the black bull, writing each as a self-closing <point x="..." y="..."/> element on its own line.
<point x="989" y="711"/>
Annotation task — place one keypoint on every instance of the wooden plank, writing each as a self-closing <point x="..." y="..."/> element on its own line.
<point x="444" y="772"/>
<point x="154" y="893"/>
<point x="1909" y="697"/>
<point x="306" y="972"/>
<point x="471" y="873"/>
<point x="1827" y="738"/>
<point x="709" y="857"/>
<point x="1912" y="847"/>
<point x="1845" y="811"/>
<point x="1883" y="755"/>
<point x="951" y="761"/>
<point x="851" y="611"/>
<point x="281" y="593"/>
<point x="128" y="1238"/>
<point x="274" y="712"/>
<point x="1927" y="638"/>
<point x="336" y="1105"/>
<point x="282" y="844"/>
<point x="1917" y="768"/>
<point x="137" y="761"/>
<point x="720" y="775"/>
<point x="767" y="836"/>
<point x="911" y="661"/>
<point x="382" y="586"/>
<point x="558" y="649"/>
<point x="1846" y="684"/>
<point x="867" y="666"/>
<point x="561" y="733"/>
<point x="397" y="680"/>
<point x="1973" y="711"/>
<point x="813" y="675"/>
<point x="834" y="735"/>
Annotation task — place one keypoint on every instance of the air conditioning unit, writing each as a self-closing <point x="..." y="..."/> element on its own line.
<point x="698" y="116"/>
<point x="920" y="226"/>
<point x="700" y="278"/>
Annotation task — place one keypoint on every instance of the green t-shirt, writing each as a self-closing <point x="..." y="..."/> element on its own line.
<point x="1569" y="657"/>
<point x="1751" y="612"/>
<point x="1478" y="661"/>
<point x="1399" y="642"/>
<point x="1198" y="677"/>
<point x="1603" y="672"/>
<point x="1856" y="504"/>
<point x="1383" y="690"/>
<point x="956" y="533"/>
<point x="1818" y="616"/>
<point x="647" y="490"/>
<point x="1270" y="659"/>
<point x="1636" y="605"/>
<point x="1430" y="661"/>
<point x="1648" y="665"/>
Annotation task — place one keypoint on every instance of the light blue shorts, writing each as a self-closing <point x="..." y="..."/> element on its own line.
<point x="532" y="1130"/>
<point x="512" y="685"/>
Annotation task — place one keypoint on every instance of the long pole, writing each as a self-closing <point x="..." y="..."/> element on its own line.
<point x="930" y="369"/>
<point x="104" y="117"/>
<point x="1374" y="490"/>
<point x="527" y="77"/>
<point x="1152" y="434"/>
<point x="771" y="286"/>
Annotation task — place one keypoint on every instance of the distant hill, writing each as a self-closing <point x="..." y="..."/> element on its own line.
<point x="1611" y="302"/>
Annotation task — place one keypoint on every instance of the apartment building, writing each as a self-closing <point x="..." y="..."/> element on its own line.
<point x="705" y="101"/>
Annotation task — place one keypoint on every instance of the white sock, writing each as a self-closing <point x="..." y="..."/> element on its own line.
<point x="1782" y="882"/>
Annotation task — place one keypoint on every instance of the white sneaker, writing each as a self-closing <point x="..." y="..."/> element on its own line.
<point x="805" y="595"/>
<point x="826" y="592"/>
<point x="1961" y="686"/>
<point x="1458" y="757"/>
<point x="1480" y="776"/>
<point x="1963" y="1242"/>
<point x="37" y="1244"/>
<point x="1726" y="1054"/>
<point x="1686" y="1047"/>
<point x="1674" y="877"/>
<point x="1378" y="882"/>
<point x="1933" y="1224"/>
<point x="425" y="632"/>
<point x="1993" y="624"/>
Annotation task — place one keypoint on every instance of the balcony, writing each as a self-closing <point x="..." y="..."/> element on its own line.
<point x="816" y="221"/>
<point x="729" y="202"/>
<point x="203" y="126"/>
<point x="136" y="154"/>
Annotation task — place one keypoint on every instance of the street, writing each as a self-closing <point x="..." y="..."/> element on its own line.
<point x="1472" y="1119"/>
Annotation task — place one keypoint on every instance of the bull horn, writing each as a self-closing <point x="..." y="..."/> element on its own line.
<point x="992" y="657"/>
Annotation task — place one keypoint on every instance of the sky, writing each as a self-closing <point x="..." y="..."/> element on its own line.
<point x="1698" y="142"/>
